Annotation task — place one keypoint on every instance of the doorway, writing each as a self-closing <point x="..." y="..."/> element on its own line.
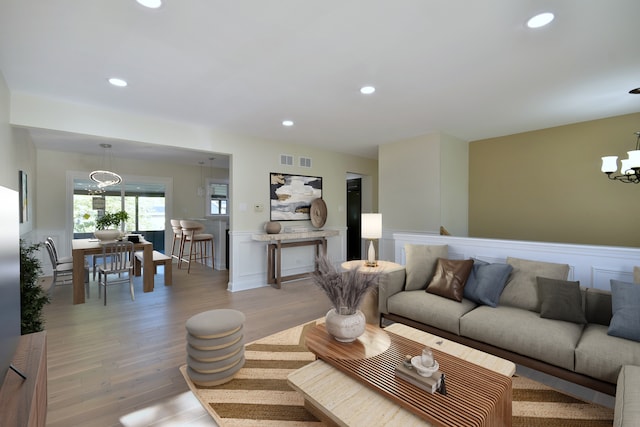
<point x="354" y="209"/>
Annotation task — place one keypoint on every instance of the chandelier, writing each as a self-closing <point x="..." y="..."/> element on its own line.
<point x="105" y="178"/>
<point x="629" y="169"/>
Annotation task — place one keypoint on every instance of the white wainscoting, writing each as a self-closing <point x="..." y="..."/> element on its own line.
<point x="592" y="266"/>
<point x="249" y="259"/>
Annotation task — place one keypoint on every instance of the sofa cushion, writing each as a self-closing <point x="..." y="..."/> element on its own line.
<point x="560" y="300"/>
<point x="627" y="410"/>
<point x="430" y="309"/>
<point x="521" y="290"/>
<point x="421" y="263"/>
<point x="486" y="282"/>
<point x="450" y="277"/>
<point x="625" y="304"/>
<point x="601" y="356"/>
<point x="524" y="332"/>
<point x="597" y="306"/>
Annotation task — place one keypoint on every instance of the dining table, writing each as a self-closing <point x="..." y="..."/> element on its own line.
<point x="80" y="248"/>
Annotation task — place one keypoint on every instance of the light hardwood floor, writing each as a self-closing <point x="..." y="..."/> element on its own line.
<point x="118" y="365"/>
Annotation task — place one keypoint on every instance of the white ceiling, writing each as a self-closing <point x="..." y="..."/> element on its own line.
<point x="467" y="68"/>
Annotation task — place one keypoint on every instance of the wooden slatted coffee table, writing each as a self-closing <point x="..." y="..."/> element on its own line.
<point x="355" y="385"/>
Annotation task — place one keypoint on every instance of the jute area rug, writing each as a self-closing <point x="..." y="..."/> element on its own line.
<point x="260" y="396"/>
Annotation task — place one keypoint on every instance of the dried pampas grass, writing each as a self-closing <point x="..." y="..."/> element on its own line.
<point x="344" y="290"/>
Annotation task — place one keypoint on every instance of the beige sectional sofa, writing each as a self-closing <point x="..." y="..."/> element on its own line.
<point x="521" y="326"/>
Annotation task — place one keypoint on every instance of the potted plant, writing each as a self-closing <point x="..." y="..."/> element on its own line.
<point x="345" y="322"/>
<point x="32" y="296"/>
<point x="107" y="225"/>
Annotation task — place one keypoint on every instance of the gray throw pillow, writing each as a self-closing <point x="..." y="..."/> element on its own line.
<point x="560" y="300"/>
<point x="625" y="302"/>
<point x="521" y="290"/>
<point x="486" y="282"/>
<point x="421" y="263"/>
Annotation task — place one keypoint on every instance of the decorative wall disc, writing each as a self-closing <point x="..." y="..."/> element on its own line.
<point x="318" y="213"/>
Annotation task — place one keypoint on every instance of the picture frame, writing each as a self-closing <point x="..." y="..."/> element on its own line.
<point x="291" y="196"/>
<point x="24" y="196"/>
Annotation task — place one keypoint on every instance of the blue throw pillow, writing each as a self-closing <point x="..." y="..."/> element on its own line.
<point x="625" y="304"/>
<point x="486" y="282"/>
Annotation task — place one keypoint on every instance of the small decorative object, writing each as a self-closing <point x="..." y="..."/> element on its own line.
<point x="429" y="384"/>
<point x="407" y="361"/>
<point x="318" y="213"/>
<point x="345" y="290"/>
<point x="273" y="227"/>
<point x="443" y="386"/>
<point x="427" y="357"/>
<point x="425" y="371"/>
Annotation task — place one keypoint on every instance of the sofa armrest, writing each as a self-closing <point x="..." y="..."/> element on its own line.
<point x="390" y="283"/>
<point x="627" y="408"/>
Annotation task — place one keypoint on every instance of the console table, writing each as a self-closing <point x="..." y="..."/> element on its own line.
<point x="290" y="240"/>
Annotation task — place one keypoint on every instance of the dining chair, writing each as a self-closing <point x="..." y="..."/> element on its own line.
<point x="63" y="271"/>
<point x="60" y="260"/>
<point x="198" y="242"/>
<point x="117" y="259"/>
<point x="177" y="238"/>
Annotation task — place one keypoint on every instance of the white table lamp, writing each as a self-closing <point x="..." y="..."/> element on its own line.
<point x="371" y="229"/>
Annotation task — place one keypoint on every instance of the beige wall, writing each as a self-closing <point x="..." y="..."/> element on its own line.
<point x="546" y="185"/>
<point x="17" y="153"/>
<point x="252" y="159"/>
<point x="409" y="190"/>
<point x="52" y="175"/>
<point x="423" y="184"/>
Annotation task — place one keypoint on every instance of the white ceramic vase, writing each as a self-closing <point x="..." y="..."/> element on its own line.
<point x="107" y="235"/>
<point x="345" y="327"/>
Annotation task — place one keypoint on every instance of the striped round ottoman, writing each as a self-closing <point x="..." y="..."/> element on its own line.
<point x="215" y="346"/>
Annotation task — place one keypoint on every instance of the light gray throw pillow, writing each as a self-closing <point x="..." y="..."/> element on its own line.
<point x="521" y="290"/>
<point x="421" y="264"/>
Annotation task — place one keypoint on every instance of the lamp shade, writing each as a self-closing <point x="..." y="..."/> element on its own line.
<point x="634" y="158"/>
<point x="609" y="164"/>
<point x="371" y="225"/>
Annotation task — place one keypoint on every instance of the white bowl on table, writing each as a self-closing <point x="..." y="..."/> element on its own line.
<point x="424" y="371"/>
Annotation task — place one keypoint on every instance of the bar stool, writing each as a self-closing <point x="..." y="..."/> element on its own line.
<point x="191" y="232"/>
<point x="177" y="238"/>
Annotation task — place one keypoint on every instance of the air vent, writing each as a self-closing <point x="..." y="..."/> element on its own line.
<point x="305" y="162"/>
<point x="286" y="159"/>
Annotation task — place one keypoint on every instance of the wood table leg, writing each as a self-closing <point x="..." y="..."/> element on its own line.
<point x="270" y="263"/>
<point x="168" y="272"/>
<point x="78" y="276"/>
<point x="147" y="270"/>
<point x="279" y="264"/>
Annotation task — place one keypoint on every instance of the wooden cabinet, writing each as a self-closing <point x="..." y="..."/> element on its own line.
<point x="23" y="403"/>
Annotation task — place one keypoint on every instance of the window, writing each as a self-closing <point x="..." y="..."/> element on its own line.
<point x="218" y="196"/>
<point x="145" y="204"/>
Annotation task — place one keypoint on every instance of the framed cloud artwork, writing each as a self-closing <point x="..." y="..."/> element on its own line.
<point x="291" y="196"/>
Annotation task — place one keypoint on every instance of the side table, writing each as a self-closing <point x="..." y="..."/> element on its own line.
<point x="369" y="304"/>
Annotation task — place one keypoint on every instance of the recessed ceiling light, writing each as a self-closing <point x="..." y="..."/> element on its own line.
<point x="117" y="82"/>
<point x="635" y="91"/>
<point x="540" y="20"/>
<point x="152" y="4"/>
<point x="287" y="123"/>
<point x="367" y="90"/>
